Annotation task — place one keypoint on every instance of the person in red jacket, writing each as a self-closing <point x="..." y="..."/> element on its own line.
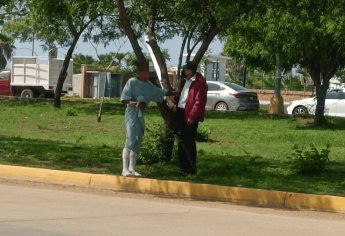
<point x="190" y="110"/>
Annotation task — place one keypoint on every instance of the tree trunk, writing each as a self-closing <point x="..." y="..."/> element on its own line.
<point x="207" y="40"/>
<point x="167" y="137"/>
<point x="277" y="101"/>
<point x="126" y="26"/>
<point x="321" y="92"/>
<point x="179" y="66"/>
<point x="161" y="61"/>
<point x="63" y="73"/>
<point x="3" y="61"/>
<point x="321" y="85"/>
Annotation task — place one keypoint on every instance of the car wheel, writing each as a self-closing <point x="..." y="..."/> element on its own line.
<point x="26" y="93"/>
<point x="221" y="106"/>
<point x="300" y="110"/>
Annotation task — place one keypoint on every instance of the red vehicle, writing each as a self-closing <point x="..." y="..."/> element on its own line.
<point x="5" y="82"/>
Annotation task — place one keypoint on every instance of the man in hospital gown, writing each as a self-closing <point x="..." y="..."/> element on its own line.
<point x="137" y="92"/>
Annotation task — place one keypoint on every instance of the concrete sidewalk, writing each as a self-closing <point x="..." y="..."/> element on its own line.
<point x="246" y="196"/>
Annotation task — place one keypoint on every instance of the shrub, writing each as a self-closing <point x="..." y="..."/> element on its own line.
<point x="203" y="134"/>
<point x="71" y="112"/>
<point x="310" y="161"/>
<point x="152" y="148"/>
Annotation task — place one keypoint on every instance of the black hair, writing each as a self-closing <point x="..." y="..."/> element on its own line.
<point x="143" y="66"/>
<point x="190" y="66"/>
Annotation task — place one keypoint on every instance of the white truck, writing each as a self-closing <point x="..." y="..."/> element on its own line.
<point x="36" y="76"/>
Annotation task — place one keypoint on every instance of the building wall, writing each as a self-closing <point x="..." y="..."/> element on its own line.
<point x="92" y="83"/>
<point x="215" y="70"/>
<point x="76" y="84"/>
<point x="266" y="95"/>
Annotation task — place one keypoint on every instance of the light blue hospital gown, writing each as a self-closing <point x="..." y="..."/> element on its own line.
<point x="137" y="90"/>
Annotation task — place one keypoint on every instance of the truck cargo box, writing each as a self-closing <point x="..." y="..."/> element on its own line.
<point x="39" y="74"/>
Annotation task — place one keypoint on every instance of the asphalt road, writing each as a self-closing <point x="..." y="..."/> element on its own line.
<point x="35" y="209"/>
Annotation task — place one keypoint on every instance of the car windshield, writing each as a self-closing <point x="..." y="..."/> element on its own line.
<point x="235" y="86"/>
<point x="4" y="74"/>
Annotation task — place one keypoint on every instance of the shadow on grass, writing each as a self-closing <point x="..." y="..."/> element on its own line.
<point x="255" y="172"/>
<point x="307" y="123"/>
<point x="229" y="170"/>
<point x="59" y="155"/>
<point x="235" y="115"/>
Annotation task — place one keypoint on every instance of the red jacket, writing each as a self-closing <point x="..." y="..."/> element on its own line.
<point x="196" y="99"/>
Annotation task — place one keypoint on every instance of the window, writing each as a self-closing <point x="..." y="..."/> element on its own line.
<point x="235" y="86"/>
<point x="333" y="95"/>
<point x="4" y="75"/>
<point x="213" y="87"/>
<point x="215" y="70"/>
<point x="342" y="95"/>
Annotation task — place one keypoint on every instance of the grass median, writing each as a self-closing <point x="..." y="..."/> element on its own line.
<point x="247" y="149"/>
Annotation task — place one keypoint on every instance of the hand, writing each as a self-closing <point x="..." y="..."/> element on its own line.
<point x="189" y="121"/>
<point x="141" y="105"/>
<point x="170" y="93"/>
<point x="174" y="108"/>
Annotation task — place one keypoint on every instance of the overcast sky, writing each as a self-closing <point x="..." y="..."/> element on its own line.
<point x="123" y="46"/>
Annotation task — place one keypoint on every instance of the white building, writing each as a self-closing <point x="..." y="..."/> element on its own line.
<point x="213" y="67"/>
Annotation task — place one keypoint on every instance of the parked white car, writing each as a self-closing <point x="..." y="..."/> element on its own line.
<point x="334" y="105"/>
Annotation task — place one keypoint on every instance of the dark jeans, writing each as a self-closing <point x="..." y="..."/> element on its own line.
<point x="186" y="144"/>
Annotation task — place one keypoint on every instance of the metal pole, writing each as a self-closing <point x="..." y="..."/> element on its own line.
<point x="217" y="70"/>
<point x="262" y="80"/>
<point x="277" y="87"/>
<point x="33" y="44"/>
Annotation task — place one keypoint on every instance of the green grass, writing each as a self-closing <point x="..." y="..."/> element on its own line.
<point x="247" y="149"/>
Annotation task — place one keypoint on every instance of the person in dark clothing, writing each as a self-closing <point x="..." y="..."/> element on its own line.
<point x="190" y="110"/>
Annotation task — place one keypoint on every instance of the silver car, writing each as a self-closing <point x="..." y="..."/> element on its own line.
<point x="226" y="96"/>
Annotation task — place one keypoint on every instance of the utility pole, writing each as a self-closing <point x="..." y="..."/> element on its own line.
<point x="33" y="44"/>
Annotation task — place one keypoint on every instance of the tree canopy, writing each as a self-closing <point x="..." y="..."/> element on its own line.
<point x="57" y="23"/>
<point x="307" y="32"/>
<point x="6" y="42"/>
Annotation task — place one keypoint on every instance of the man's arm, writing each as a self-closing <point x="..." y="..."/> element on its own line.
<point x="137" y="104"/>
<point x="130" y="102"/>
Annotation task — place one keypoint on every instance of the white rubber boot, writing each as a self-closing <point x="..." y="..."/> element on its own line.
<point x="125" y="162"/>
<point x="132" y="161"/>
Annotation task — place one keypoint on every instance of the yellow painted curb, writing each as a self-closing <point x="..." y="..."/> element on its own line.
<point x="191" y="190"/>
<point x="142" y="185"/>
<point x="258" y="197"/>
<point x="315" y="202"/>
<point x="45" y="175"/>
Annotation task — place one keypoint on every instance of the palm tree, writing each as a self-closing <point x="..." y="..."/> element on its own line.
<point x="79" y="59"/>
<point x="6" y="49"/>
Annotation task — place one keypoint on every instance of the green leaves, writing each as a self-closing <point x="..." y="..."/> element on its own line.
<point x="310" y="161"/>
<point x="56" y="22"/>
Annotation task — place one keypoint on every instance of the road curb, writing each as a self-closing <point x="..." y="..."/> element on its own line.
<point x="247" y="196"/>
